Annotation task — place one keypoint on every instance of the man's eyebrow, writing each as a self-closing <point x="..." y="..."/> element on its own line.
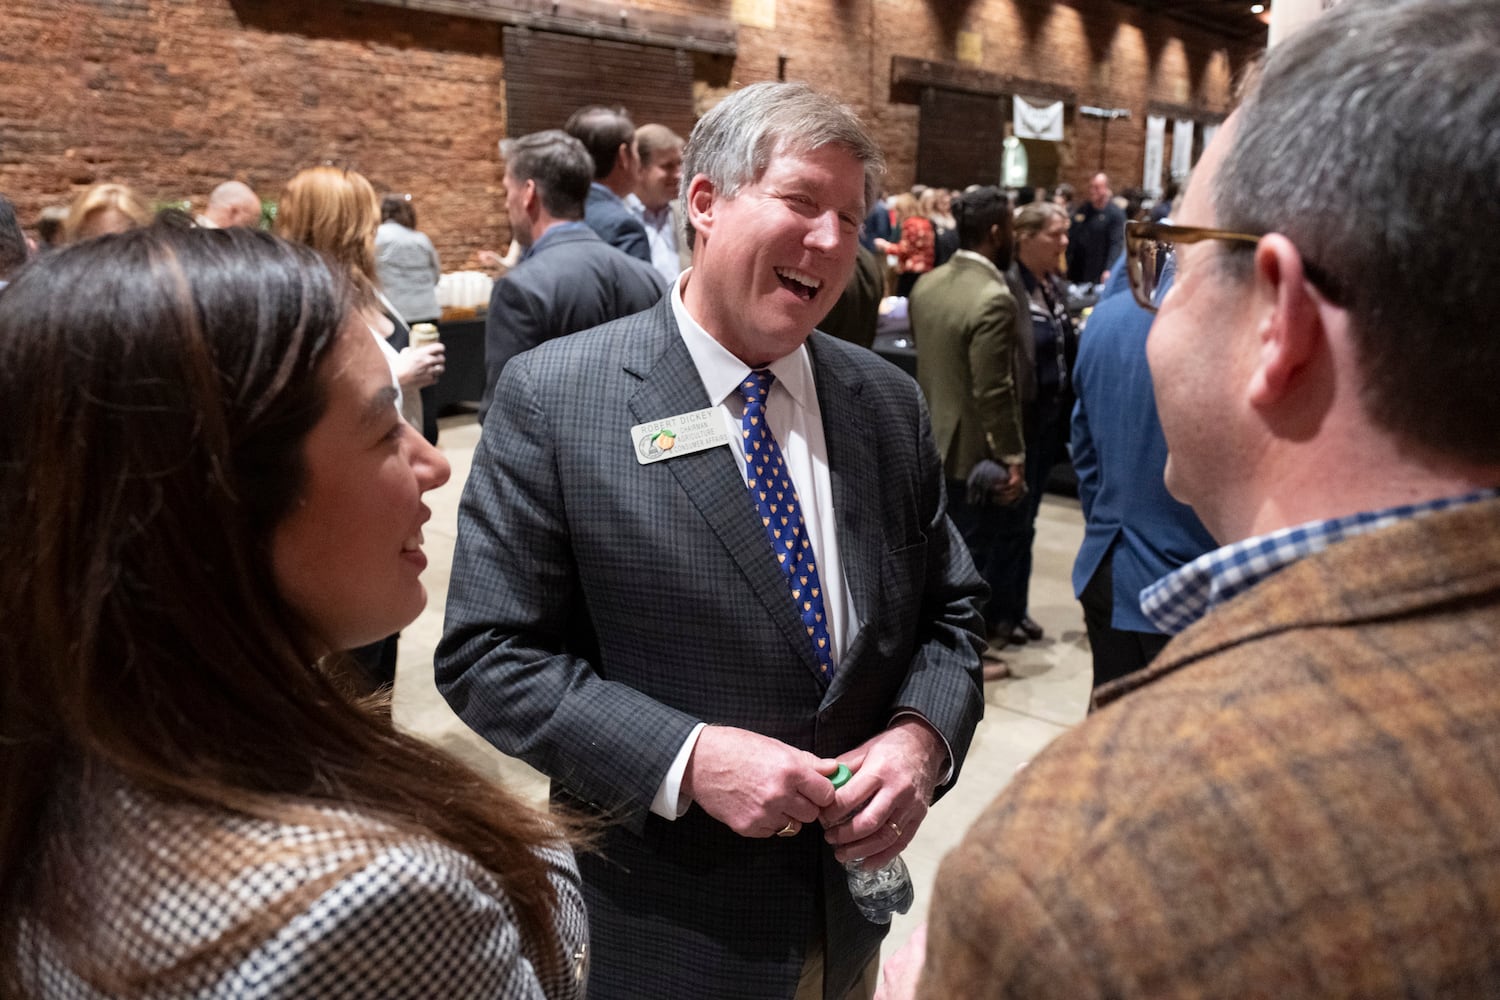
<point x="379" y="406"/>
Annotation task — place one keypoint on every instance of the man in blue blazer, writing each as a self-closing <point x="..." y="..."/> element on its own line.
<point x="619" y="617"/>
<point x="1135" y="533"/>
<point x="609" y="136"/>
<point x="568" y="278"/>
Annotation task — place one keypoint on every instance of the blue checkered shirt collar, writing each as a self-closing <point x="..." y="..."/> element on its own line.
<point x="1183" y="596"/>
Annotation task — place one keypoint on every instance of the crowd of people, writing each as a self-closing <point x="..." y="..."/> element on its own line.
<point x="710" y="556"/>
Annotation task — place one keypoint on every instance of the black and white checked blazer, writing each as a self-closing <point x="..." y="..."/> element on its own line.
<point x="388" y="917"/>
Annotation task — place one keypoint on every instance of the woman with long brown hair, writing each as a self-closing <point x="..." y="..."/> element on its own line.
<point x="206" y="488"/>
<point x="335" y="211"/>
<point x="916" y="251"/>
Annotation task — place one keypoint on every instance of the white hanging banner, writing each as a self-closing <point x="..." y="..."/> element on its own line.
<point x="1156" y="145"/>
<point x="1015" y="168"/>
<point x="1209" y="131"/>
<point x="1182" y="148"/>
<point x="1038" y="119"/>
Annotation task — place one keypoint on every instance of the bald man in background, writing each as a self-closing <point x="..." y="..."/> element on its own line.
<point x="232" y="203"/>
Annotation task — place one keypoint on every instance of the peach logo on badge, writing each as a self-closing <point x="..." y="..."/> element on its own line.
<point x="658" y="444"/>
<point x="678" y="435"/>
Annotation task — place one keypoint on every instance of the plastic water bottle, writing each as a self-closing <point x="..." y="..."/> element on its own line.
<point x="880" y="892"/>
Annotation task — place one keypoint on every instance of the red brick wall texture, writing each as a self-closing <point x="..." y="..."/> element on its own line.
<point x="174" y="96"/>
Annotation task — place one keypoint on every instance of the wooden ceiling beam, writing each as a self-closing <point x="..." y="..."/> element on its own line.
<point x="592" y="19"/>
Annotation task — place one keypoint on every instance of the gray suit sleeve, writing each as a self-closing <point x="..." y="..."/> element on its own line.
<point x="514" y="659"/>
<point x="943" y="682"/>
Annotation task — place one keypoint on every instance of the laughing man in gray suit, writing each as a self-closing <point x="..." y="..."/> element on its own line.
<point x="619" y="617"/>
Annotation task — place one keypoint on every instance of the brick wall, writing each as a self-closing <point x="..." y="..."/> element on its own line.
<point x="173" y="96"/>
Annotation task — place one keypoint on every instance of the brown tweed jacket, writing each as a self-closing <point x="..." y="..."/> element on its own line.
<point x="1300" y="798"/>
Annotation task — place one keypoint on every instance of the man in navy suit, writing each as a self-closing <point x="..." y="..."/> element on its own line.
<point x="619" y="617"/>
<point x="568" y="278"/>
<point x="1136" y="532"/>
<point x="609" y="136"/>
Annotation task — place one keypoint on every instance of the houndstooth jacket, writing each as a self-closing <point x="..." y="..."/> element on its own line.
<point x="363" y="911"/>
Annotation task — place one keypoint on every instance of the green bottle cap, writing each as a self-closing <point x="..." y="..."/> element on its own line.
<point x="841" y="776"/>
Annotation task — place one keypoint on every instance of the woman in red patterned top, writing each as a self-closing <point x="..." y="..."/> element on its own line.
<point x="916" y="252"/>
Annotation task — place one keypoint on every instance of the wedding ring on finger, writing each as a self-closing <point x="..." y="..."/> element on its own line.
<point x="790" y="830"/>
<point x="895" y="829"/>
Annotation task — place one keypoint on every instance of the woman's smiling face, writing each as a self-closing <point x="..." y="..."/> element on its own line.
<point x="348" y="557"/>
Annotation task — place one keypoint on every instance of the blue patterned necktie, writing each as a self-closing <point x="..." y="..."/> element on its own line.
<point x="781" y="514"/>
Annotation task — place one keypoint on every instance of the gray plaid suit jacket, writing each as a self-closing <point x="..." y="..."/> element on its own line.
<point x="600" y="608"/>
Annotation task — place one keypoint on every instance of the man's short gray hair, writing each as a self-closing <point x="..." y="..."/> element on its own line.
<point x="734" y="143"/>
<point x="1371" y="139"/>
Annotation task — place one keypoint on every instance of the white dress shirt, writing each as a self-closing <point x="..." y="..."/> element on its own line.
<point x="661" y="235"/>
<point x="797" y="423"/>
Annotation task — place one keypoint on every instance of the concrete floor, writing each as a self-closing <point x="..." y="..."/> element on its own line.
<point x="1048" y="693"/>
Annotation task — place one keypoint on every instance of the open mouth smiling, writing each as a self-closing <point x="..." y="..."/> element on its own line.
<point x="801" y="284"/>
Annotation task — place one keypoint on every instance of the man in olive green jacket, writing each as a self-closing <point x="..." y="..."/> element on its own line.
<point x="970" y="361"/>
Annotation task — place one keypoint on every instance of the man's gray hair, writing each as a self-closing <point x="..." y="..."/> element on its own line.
<point x="734" y="143"/>
<point x="1371" y="139"/>
<point x="559" y="164"/>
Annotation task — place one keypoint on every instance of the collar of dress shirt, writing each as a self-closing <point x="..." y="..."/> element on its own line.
<point x="1185" y="595"/>
<point x="722" y="372"/>
<point x="656" y="217"/>
<point x="971" y="255"/>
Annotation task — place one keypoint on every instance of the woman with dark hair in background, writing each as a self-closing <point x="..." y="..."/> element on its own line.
<point x="206" y="489"/>
<point x="407" y="265"/>
<point x="406" y="261"/>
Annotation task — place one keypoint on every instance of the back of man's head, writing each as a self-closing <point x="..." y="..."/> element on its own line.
<point x="233" y="203"/>
<point x="559" y="165"/>
<point x="976" y="212"/>
<point x="734" y="143"/>
<point x="602" y="132"/>
<point x="1371" y="139"/>
<point x="12" y="240"/>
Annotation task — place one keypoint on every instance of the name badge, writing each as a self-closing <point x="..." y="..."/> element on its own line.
<point x="683" y="434"/>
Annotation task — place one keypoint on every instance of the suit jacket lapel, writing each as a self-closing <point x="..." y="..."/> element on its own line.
<point x="853" y="468"/>
<point x="713" y="479"/>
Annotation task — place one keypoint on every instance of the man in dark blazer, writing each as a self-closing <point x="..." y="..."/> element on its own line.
<point x="568" y="278"/>
<point x="1135" y="532"/>
<point x="609" y="136"/>
<point x="1097" y="233"/>
<point x="1299" y="796"/>
<point x="619" y="618"/>
<point x="965" y="322"/>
